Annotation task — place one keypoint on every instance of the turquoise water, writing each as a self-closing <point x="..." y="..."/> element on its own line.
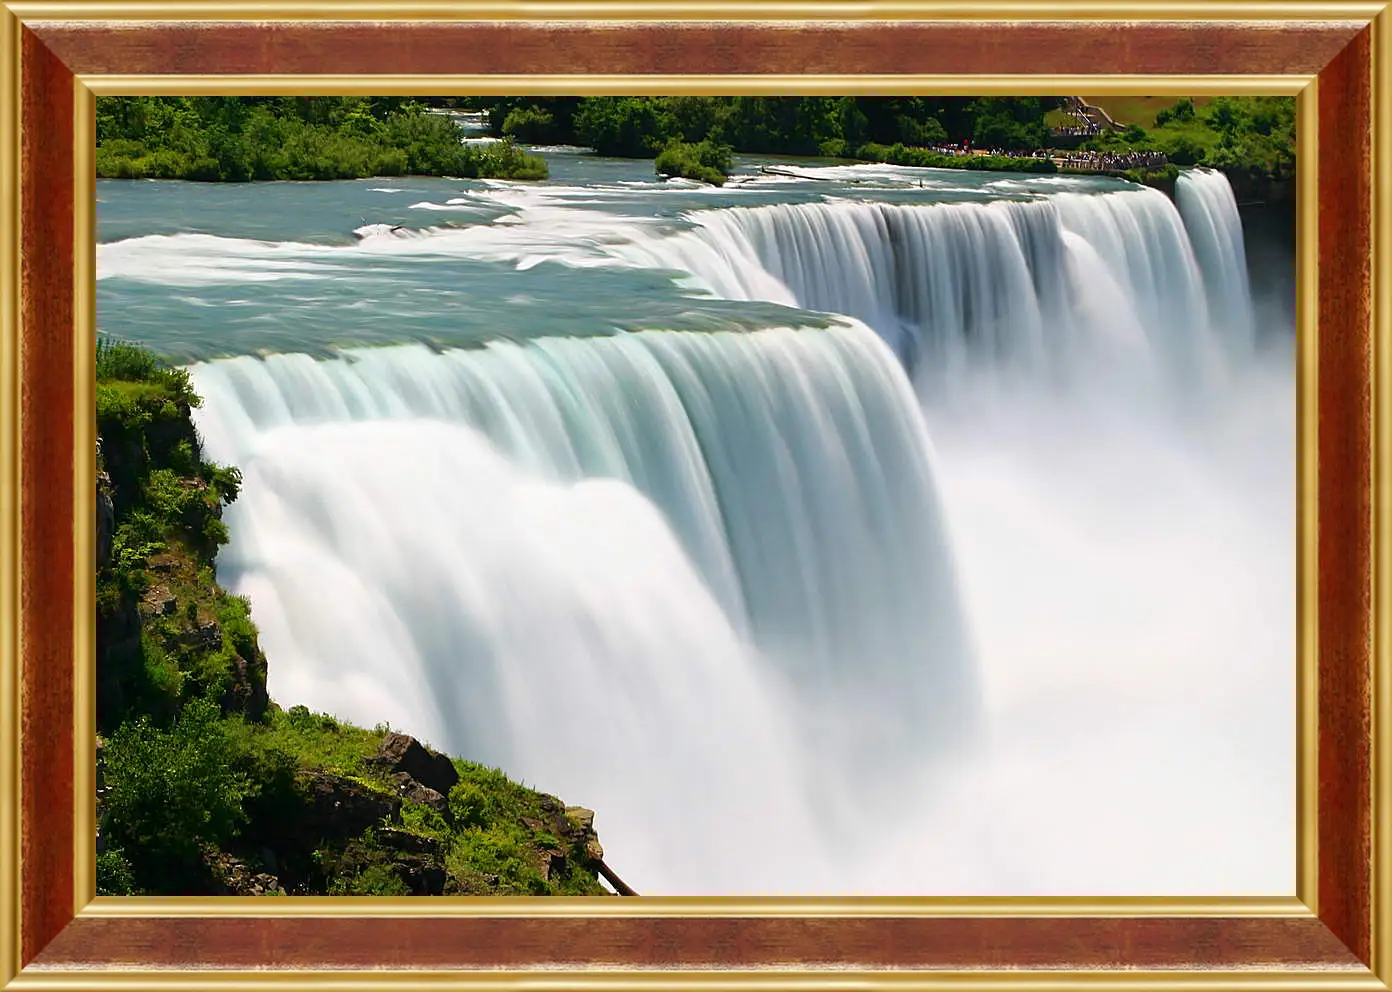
<point x="205" y="270"/>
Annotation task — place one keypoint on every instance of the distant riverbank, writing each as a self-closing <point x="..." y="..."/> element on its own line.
<point x="1248" y="138"/>
<point x="239" y="139"/>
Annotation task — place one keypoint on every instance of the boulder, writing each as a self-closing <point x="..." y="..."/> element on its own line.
<point x="424" y="876"/>
<point x="202" y="637"/>
<point x="340" y="808"/>
<point x="549" y="863"/>
<point x="581" y="831"/>
<point x="247" y="691"/>
<point x="405" y="842"/>
<point x="408" y="788"/>
<point x="400" y="753"/>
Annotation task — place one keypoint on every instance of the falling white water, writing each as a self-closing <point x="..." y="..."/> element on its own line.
<point x="1210" y="213"/>
<point x="1116" y="459"/>
<point x="687" y="579"/>
<point x="706" y="584"/>
<point x="1009" y="287"/>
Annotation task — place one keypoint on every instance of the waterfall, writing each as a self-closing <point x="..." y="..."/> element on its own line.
<point x="721" y="587"/>
<point x="1070" y="286"/>
<point x="1209" y="209"/>
<point x="684" y="578"/>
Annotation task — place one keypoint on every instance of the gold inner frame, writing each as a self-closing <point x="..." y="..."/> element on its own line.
<point x="9" y="488"/>
<point x="1303" y="904"/>
<point x="1382" y="496"/>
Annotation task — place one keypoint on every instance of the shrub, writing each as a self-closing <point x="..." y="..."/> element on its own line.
<point x="705" y="161"/>
<point x="833" y="148"/>
<point x="897" y="154"/>
<point x="533" y="125"/>
<point x="374" y="880"/>
<point x="468" y="805"/>
<point x="173" y="791"/>
<point x="126" y="361"/>
<point x="505" y="160"/>
<point x="114" y="874"/>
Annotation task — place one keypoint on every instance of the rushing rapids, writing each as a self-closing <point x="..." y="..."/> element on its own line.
<point x="716" y="581"/>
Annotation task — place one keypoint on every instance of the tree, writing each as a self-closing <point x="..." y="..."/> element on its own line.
<point x="627" y="126"/>
<point x="533" y="125"/>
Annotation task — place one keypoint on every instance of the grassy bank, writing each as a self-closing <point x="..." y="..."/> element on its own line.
<point x="237" y="139"/>
<point x="205" y="785"/>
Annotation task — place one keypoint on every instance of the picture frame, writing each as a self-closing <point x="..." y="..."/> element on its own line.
<point x="1336" y="931"/>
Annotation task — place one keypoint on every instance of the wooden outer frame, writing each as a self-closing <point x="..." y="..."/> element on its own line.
<point x="1339" y="930"/>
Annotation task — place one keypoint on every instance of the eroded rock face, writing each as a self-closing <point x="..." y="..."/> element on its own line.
<point x="417" y="861"/>
<point x="106" y="520"/>
<point x="247" y="693"/>
<point x="232" y="877"/>
<point x="401" y="753"/>
<point x="339" y="808"/>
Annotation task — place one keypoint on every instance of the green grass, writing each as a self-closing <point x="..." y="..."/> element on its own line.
<point x="1140" y="110"/>
<point x="317" y="740"/>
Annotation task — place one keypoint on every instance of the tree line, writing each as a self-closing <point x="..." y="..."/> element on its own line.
<point x="693" y="134"/>
<point x="236" y="139"/>
<point x="246" y="138"/>
<point x="643" y="126"/>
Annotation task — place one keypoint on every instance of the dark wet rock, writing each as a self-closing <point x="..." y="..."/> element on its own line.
<point x="339" y="808"/>
<point x="234" y="877"/>
<point x="247" y="691"/>
<point x="401" y="753"/>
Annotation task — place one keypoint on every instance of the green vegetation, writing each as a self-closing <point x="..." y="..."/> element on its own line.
<point x="235" y="139"/>
<point x="1138" y="110"/>
<point x="204" y="785"/>
<point x="531" y="125"/>
<point x="642" y="127"/>
<point x="703" y="161"/>
<point x="1243" y="136"/>
<point x="173" y="791"/>
<point x="899" y="154"/>
<point x="243" y="138"/>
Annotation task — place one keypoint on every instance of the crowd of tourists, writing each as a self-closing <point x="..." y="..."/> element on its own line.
<point x="1083" y="161"/>
<point x="1111" y="161"/>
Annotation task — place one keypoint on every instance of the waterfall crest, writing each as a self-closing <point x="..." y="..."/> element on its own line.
<point x="1061" y="288"/>
<point x="679" y="553"/>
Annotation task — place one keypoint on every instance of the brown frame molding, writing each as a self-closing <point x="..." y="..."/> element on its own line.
<point x="1338" y="933"/>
